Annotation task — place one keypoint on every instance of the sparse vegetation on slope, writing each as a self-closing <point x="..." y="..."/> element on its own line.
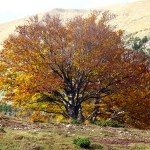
<point x="21" y="135"/>
<point x="132" y="17"/>
<point x="139" y="44"/>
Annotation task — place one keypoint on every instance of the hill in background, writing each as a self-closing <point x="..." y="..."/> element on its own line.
<point x="132" y="17"/>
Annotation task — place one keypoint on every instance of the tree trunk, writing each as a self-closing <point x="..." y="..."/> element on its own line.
<point x="75" y="113"/>
<point x="80" y="117"/>
<point x="95" y="113"/>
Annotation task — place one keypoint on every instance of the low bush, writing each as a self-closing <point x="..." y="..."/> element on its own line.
<point x="110" y="123"/>
<point x="75" y="122"/>
<point x="82" y="142"/>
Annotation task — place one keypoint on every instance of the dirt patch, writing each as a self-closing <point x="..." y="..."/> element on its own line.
<point x="118" y="141"/>
<point x="19" y="124"/>
<point x="98" y="135"/>
<point x="18" y="137"/>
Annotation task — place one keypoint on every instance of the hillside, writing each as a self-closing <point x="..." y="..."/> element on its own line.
<point x="21" y="135"/>
<point x="132" y="17"/>
<point x="9" y="27"/>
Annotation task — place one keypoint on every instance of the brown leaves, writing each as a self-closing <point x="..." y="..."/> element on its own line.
<point x="81" y="60"/>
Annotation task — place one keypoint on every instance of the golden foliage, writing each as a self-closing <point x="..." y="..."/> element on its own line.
<point x="78" y="68"/>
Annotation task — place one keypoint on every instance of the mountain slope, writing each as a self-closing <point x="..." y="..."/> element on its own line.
<point x="9" y="27"/>
<point x="132" y="17"/>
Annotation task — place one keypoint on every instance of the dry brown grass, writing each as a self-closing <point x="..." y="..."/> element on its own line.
<point x="21" y="135"/>
<point x="132" y="17"/>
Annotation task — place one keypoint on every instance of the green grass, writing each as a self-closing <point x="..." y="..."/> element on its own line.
<point x="82" y="142"/>
<point x="109" y="123"/>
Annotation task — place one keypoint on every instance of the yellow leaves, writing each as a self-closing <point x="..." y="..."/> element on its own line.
<point x="36" y="96"/>
<point x="86" y="122"/>
<point x="38" y="117"/>
<point x="80" y="59"/>
<point x="101" y="105"/>
<point x="120" y="32"/>
<point x="21" y="96"/>
<point x="22" y="78"/>
<point x="60" y="118"/>
<point x="103" y="94"/>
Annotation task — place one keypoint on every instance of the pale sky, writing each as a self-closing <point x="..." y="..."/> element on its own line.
<point x="15" y="9"/>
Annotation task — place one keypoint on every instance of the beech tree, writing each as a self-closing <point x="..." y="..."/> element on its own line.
<point x="64" y="67"/>
<point x="132" y="104"/>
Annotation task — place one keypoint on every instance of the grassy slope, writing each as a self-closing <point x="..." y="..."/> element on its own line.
<point x="9" y="27"/>
<point x="43" y="136"/>
<point x="133" y="17"/>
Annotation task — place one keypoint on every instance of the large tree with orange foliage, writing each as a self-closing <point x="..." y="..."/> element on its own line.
<point x="64" y="67"/>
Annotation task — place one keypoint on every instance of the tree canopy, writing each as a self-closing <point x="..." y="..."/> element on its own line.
<point x="78" y="68"/>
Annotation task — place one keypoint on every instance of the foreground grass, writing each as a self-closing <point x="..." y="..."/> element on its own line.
<point x="44" y="136"/>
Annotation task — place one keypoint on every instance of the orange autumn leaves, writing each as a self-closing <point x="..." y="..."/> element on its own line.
<point x="73" y="67"/>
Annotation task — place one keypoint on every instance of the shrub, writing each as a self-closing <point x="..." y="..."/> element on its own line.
<point x="145" y="39"/>
<point x="109" y="123"/>
<point x="137" y="45"/>
<point x="75" y="122"/>
<point x="82" y="142"/>
<point x="5" y="108"/>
